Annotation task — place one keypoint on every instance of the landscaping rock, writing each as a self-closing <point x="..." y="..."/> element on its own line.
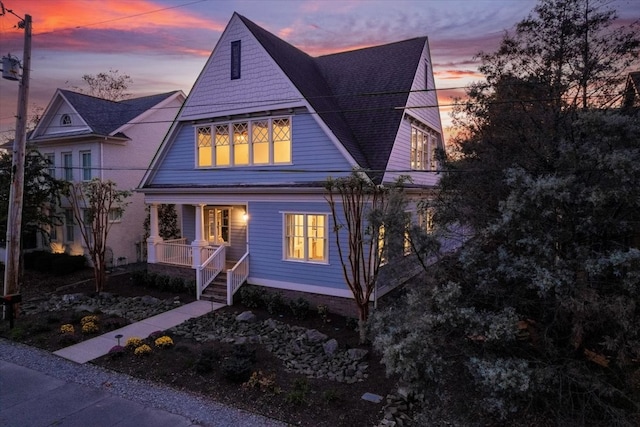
<point x="313" y="335"/>
<point x="246" y="316"/>
<point x="330" y="347"/>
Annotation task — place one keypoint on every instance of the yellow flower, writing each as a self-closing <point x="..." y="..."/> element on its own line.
<point x="164" y="342"/>
<point x="89" y="319"/>
<point x="89" y="328"/>
<point x="67" y="329"/>
<point x="142" y="350"/>
<point x="133" y="342"/>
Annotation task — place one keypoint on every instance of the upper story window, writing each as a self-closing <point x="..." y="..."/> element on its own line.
<point x="67" y="164"/>
<point x="235" y="59"/>
<point x="423" y="149"/>
<point x="51" y="164"/>
<point x="245" y="143"/>
<point x="305" y="237"/>
<point x="65" y="120"/>
<point x="86" y="165"/>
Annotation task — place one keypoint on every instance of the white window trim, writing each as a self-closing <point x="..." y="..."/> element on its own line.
<point x="430" y="147"/>
<point x="230" y="127"/>
<point x="306" y="260"/>
<point x="83" y="168"/>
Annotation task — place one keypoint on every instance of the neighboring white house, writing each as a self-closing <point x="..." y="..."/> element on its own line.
<point x="84" y="137"/>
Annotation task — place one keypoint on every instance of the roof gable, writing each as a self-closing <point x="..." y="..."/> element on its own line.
<point x="99" y="116"/>
<point x="359" y="94"/>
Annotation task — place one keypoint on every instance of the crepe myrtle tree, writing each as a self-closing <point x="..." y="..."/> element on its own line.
<point x="95" y="203"/>
<point x="360" y="212"/>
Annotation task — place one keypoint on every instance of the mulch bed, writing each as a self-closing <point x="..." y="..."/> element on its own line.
<point x="196" y="367"/>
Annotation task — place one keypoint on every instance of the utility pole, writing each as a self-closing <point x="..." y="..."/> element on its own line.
<point x="14" y="221"/>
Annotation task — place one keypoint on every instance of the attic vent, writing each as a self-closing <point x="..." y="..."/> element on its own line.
<point x="235" y="60"/>
<point x="65" y="120"/>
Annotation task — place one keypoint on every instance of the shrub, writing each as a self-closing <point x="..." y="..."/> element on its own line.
<point x="299" y="308"/>
<point x="139" y="277"/>
<point x="133" y="342"/>
<point x="252" y="296"/>
<point x="142" y="350"/>
<point x="236" y="370"/>
<point x="163" y="282"/>
<point x="164" y="342"/>
<point x="262" y="381"/>
<point x="90" y="328"/>
<point x="176" y="285"/>
<point x="298" y="395"/>
<point x="67" y="329"/>
<point x="89" y="319"/>
<point x="242" y="351"/>
<point x="323" y="312"/>
<point x="274" y="303"/>
<point x="208" y="359"/>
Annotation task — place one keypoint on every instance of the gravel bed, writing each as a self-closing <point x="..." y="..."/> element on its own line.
<point x="196" y="408"/>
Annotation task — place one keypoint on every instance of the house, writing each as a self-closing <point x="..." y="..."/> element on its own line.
<point x="631" y="96"/>
<point x="84" y="137"/>
<point x="249" y="154"/>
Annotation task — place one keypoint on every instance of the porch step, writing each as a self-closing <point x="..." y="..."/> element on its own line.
<point x="217" y="290"/>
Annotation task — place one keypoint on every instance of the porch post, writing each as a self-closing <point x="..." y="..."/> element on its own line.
<point x="154" y="236"/>
<point x="199" y="240"/>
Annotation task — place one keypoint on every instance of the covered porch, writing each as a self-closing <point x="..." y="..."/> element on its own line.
<point x="214" y="244"/>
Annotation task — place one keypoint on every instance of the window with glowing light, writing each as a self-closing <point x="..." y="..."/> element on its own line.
<point x="245" y="143"/>
<point x="423" y="149"/>
<point x="305" y="237"/>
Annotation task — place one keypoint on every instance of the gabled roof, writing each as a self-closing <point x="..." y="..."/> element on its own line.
<point x="356" y="93"/>
<point x="103" y="116"/>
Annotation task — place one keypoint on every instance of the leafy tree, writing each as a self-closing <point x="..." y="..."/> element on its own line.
<point x="111" y="85"/>
<point x="537" y="315"/>
<point x="566" y="56"/>
<point x="41" y="190"/>
<point x="167" y="222"/>
<point x="95" y="203"/>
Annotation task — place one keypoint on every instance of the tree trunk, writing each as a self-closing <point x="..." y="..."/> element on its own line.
<point x="363" y="315"/>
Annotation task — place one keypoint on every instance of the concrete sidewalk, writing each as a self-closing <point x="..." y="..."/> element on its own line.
<point x="99" y="346"/>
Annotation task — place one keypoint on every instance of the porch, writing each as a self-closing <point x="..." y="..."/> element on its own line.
<point x="218" y="252"/>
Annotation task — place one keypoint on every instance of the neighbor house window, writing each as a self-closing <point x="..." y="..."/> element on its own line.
<point x="245" y="143"/>
<point x="115" y="215"/>
<point x="425" y="219"/>
<point x="68" y="226"/>
<point x="305" y="237"/>
<point x="51" y="164"/>
<point x="87" y="223"/>
<point x="86" y="165"/>
<point x="65" y="120"/>
<point x="67" y="163"/>
<point x="218" y="222"/>
<point x="423" y="149"/>
<point x="235" y="59"/>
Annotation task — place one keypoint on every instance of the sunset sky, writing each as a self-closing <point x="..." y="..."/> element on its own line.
<point x="163" y="44"/>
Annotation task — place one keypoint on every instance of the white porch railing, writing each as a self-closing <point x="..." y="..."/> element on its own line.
<point x="236" y="277"/>
<point x="210" y="268"/>
<point x="174" y="251"/>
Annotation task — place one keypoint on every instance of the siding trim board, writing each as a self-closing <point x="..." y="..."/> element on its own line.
<point x="292" y="286"/>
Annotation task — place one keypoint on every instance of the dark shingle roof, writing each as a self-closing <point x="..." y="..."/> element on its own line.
<point x="340" y="89"/>
<point x="104" y="116"/>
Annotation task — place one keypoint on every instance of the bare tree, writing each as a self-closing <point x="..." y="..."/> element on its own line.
<point x="361" y="253"/>
<point x="95" y="205"/>
<point x="112" y="85"/>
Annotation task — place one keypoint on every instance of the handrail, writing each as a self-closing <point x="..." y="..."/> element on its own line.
<point x="236" y="276"/>
<point x="209" y="269"/>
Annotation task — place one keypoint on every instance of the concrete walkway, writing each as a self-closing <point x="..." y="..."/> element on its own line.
<point x="96" y="347"/>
